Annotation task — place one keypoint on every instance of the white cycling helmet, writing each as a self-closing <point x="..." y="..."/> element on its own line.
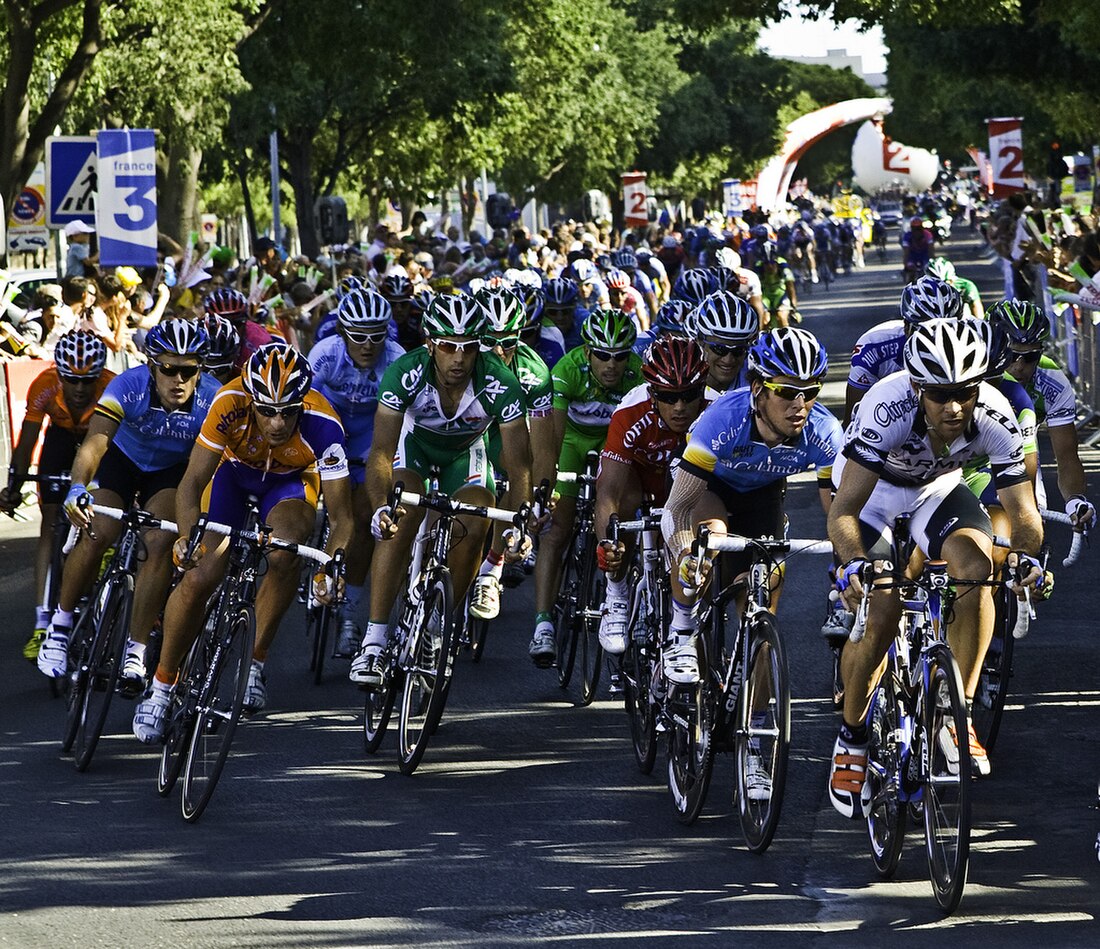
<point x="725" y="317"/>
<point x="947" y="352"/>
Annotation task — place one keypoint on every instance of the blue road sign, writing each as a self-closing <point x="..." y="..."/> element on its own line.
<point x="71" y="180"/>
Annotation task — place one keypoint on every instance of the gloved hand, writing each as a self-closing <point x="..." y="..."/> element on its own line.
<point x="1081" y="512"/>
<point x="383" y="524"/>
<point x="78" y="506"/>
<point x="179" y="554"/>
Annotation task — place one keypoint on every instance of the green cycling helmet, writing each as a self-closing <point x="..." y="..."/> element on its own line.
<point x="941" y="267"/>
<point x="609" y="329"/>
<point x="503" y="309"/>
<point x="453" y="315"/>
<point x="1024" y="322"/>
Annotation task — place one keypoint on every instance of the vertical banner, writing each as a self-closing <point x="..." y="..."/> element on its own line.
<point x="126" y="208"/>
<point x="748" y="194"/>
<point x="1006" y="153"/>
<point x="731" y="197"/>
<point x="635" y="213"/>
<point x="1082" y="173"/>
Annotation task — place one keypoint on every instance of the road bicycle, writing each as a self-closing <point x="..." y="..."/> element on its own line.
<point x="919" y="751"/>
<point x="576" y="613"/>
<point x="207" y="702"/>
<point x="741" y="702"/>
<point x="421" y="661"/>
<point x="98" y="640"/>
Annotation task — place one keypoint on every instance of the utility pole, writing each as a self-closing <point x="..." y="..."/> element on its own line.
<point x="274" y="143"/>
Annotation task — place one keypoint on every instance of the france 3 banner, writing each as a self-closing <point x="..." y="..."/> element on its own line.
<point x="126" y="208"/>
<point x="1006" y="152"/>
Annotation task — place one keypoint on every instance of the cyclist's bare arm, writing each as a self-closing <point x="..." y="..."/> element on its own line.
<point x="559" y="417"/>
<point x="852" y="397"/>
<point x="337" y="495"/>
<point x="100" y="432"/>
<point x="611" y="487"/>
<point x="757" y="303"/>
<point x="855" y="489"/>
<point x="200" y="469"/>
<point x="515" y="456"/>
<point x="1071" y="473"/>
<point x="379" y="467"/>
<point x="21" y="461"/>
<point x="1023" y="515"/>
<point x="543" y="457"/>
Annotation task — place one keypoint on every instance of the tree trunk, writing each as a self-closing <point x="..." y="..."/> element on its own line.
<point x="242" y="166"/>
<point x="179" y="191"/>
<point x="297" y="149"/>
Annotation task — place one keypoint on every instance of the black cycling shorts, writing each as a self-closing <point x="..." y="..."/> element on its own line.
<point x="58" y="451"/>
<point x="119" y="474"/>
<point x="756" y="513"/>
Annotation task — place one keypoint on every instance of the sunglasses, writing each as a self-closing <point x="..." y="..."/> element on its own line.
<point x="720" y="350"/>
<point x="962" y="394"/>
<point x="604" y="356"/>
<point x="1028" y="355"/>
<point x="790" y="393"/>
<point x="362" y="339"/>
<point x="81" y="380"/>
<point x="671" y="398"/>
<point x="504" y="342"/>
<point x="183" y="372"/>
<point x="450" y="347"/>
<point x="270" y="411"/>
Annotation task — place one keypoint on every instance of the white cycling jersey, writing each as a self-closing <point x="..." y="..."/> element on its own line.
<point x="888" y="434"/>
<point x="877" y="353"/>
<point x="748" y="283"/>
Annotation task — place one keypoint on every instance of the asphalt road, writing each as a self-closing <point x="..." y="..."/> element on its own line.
<point x="528" y="822"/>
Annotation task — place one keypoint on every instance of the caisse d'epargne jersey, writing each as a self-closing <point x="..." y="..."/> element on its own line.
<point x="724" y="443"/>
<point x="492" y="394"/>
<point x="877" y="354"/>
<point x="889" y="435"/>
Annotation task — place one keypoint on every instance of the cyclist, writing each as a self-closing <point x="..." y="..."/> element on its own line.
<point x="776" y="286"/>
<point x="397" y="289"/>
<point x="562" y="310"/>
<point x="436" y="404"/>
<point x="670" y="318"/>
<point x="1027" y="328"/>
<point x="347" y="370"/>
<point x="234" y="306"/>
<point x="626" y="260"/>
<point x="224" y="343"/>
<point x="589" y="384"/>
<point x="67" y="394"/>
<point x="734" y="469"/>
<point x="138" y="440"/>
<point x="726" y="327"/>
<point x="647" y="433"/>
<point x="904" y="453"/>
<point x="878" y="352"/>
<point x="943" y="269"/>
<point x="269" y="435"/>
<point x="916" y="249"/>
<point x="504" y="316"/>
<point x="542" y="336"/>
<point x="625" y="297"/>
<point x="740" y="281"/>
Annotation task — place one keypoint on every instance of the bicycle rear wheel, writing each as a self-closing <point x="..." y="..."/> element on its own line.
<point x="588" y="618"/>
<point x="989" y="700"/>
<point x="566" y="620"/>
<point x="425" y="685"/>
<point x="638" y="670"/>
<point x="763" y="734"/>
<point x="377" y="709"/>
<point x="220" y="700"/>
<point x="180" y="717"/>
<point x="690" y="748"/>
<point x="104" y="661"/>
<point x="946" y="789"/>
<point x="80" y="643"/>
<point x="479" y="631"/>
<point x="319" y="622"/>
<point x="886" y="821"/>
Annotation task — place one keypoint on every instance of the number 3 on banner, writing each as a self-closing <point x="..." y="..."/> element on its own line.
<point x="140" y="187"/>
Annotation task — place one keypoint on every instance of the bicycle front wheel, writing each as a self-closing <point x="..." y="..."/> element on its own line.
<point x="180" y="717"/>
<point x="690" y="748"/>
<point x="946" y="786"/>
<point x="425" y="686"/>
<point x="763" y="734"/>
<point x="377" y="709"/>
<point x="566" y="619"/>
<point x="588" y="618"/>
<point x="72" y="686"/>
<point x="886" y="821"/>
<point x="638" y="671"/>
<point x="220" y="700"/>
<point x="104" y="660"/>
<point x="319" y="621"/>
<point x="989" y="700"/>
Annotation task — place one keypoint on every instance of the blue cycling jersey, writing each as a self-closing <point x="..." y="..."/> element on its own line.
<point x="352" y="391"/>
<point x="724" y="444"/>
<point x="151" y="437"/>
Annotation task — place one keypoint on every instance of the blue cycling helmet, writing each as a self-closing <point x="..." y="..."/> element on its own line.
<point x="176" y="337"/>
<point x="788" y="351"/>
<point x="560" y="293"/>
<point x="671" y="316"/>
<point x="694" y="285"/>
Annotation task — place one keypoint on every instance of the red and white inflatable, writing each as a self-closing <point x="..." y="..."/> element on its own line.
<point x="879" y="162"/>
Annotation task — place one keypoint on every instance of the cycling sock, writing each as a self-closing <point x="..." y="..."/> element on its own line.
<point x="542" y="617"/>
<point x="492" y="565"/>
<point x="135" y="648"/>
<point x="62" y="618"/>
<point x="159" y="682"/>
<point x="684" y="618"/>
<point x="41" y="616"/>
<point x="853" y="734"/>
<point x="352" y="595"/>
<point x="377" y="634"/>
<point x="619" y="589"/>
<point x="259" y="664"/>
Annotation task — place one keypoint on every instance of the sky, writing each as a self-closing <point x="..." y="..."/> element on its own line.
<point x="798" y="37"/>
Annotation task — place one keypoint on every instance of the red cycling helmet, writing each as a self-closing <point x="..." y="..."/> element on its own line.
<point x="676" y="363"/>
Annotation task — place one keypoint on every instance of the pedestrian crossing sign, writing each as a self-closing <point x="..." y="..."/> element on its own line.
<point x="71" y="180"/>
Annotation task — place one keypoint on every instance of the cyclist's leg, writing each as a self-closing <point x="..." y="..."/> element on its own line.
<point x="783" y="312"/>
<point x="58" y="451"/>
<point x="361" y="548"/>
<point x="155" y="576"/>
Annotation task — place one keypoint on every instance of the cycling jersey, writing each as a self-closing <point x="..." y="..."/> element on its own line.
<point x="589" y="406"/>
<point x="493" y="393"/>
<point x="968" y="289"/>
<point x="725" y="446"/>
<point x="748" y="284"/>
<point x="920" y="250"/>
<point x="351" y="391"/>
<point x="878" y="353"/>
<point x="889" y="435"/>
<point x="148" y="435"/>
<point x="534" y="378"/>
<point x="976" y="474"/>
<point x="773" y="287"/>
<point x="46" y="398"/>
<point x="253" y="336"/>
<point x="550" y="345"/>
<point x="639" y="438"/>
<point x="1052" y="394"/>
